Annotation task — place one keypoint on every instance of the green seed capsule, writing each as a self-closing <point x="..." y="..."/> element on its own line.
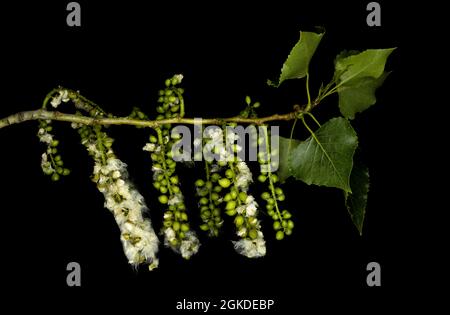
<point x="174" y="180"/>
<point x="176" y="226"/>
<point x="271" y="213"/>
<point x="214" y="196"/>
<point x="163" y="190"/>
<point x="217" y="189"/>
<point x="215" y="177"/>
<point x="274" y="178"/>
<point x="157" y="185"/>
<point x="183" y="216"/>
<point x="290" y="224"/>
<point x="278" y="191"/>
<point x="265" y="195"/>
<point x="203" y="201"/>
<point x="286" y="214"/>
<point x="253" y="234"/>
<point x="204" y="227"/>
<point x="284" y="223"/>
<point x="231" y="212"/>
<point x="281" y="197"/>
<point x="66" y="172"/>
<point x="233" y="194"/>
<point x="224" y="182"/>
<point x="163" y="199"/>
<point x="55" y="177"/>
<point x="288" y="231"/>
<point x="227" y="197"/>
<point x="262" y="178"/>
<point x="230" y="205"/>
<point x="229" y="173"/>
<point x="276" y="225"/>
<point x="60" y="163"/>
<point x="176" y="189"/>
<point x="54" y="143"/>
<point x="199" y="183"/>
<point x="184" y="227"/>
<point x="59" y="170"/>
<point x="271" y="201"/>
<point x="239" y="220"/>
<point x="168" y="82"/>
<point x="243" y="196"/>
<point x="280" y="235"/>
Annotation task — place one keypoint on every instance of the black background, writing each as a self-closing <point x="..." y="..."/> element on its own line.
<point x="119" y="58"/>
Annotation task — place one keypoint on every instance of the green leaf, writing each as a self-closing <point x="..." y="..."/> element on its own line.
<point x="357" y="76"/>
<point x="357" y="200"/>
<point x="284" y="171"/>
<point x="359" y="96"/>
<point x="297" y="63"/>
<point x="326" y="158"/>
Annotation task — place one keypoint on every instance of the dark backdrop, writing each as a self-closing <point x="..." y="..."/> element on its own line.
<point x="119" y="58"/>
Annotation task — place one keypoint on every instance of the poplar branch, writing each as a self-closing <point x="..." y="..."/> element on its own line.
<point x="59" y="116"/>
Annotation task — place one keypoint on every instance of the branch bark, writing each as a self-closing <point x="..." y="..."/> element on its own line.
<point x="59" y="116"/>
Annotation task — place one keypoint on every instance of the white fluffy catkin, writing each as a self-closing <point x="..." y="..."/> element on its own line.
<point x="139" y="240"/>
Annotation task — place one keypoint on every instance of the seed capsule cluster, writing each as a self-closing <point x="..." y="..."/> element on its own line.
<point x="274" y="194"/>
<point x="177" y="232"/>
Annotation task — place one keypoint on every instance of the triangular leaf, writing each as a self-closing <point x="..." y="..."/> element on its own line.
<point x="326" y="158"/>
<point x="369" y="63"/>
<point x="359" y="96"/>
<point x="286" y="146"/>
<point x="297" y="63"/>
<point x="357" y="76"/>
<point x="357" y="200"/>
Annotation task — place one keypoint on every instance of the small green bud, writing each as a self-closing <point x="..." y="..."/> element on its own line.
<point x="153" y="139"/>
<point x="276" y="225"/>
<point x="248" y="100"/>
<point x="231" y="212"/>
<point x="253" y="234"/>
<point x="184" y="227"/>
<point x="280" y="235"/>
<point x="176" y="226"/>
<point x="66" y="172"/>
<point x="224" y="182"/>
<point x="175" y="189"/>
<point x="55" y="177"/>
<point x="203" y="201"/>
<point x="239" y="220"/>
<point x="265" y="195"/>
<point x="199" y="183"/>
<point x="163" y="199"/>
<point x="229" y="173"/>
<point x="290" y="224"/>
<point x="204" y="227"/>
<point x="230" y="205"/>
<point x="243" y="196"/>
<point x="262" y="178"/>
<point x="168" y="82"/>
<point x="227" y="197"/>
<point x="174" y="180"/>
